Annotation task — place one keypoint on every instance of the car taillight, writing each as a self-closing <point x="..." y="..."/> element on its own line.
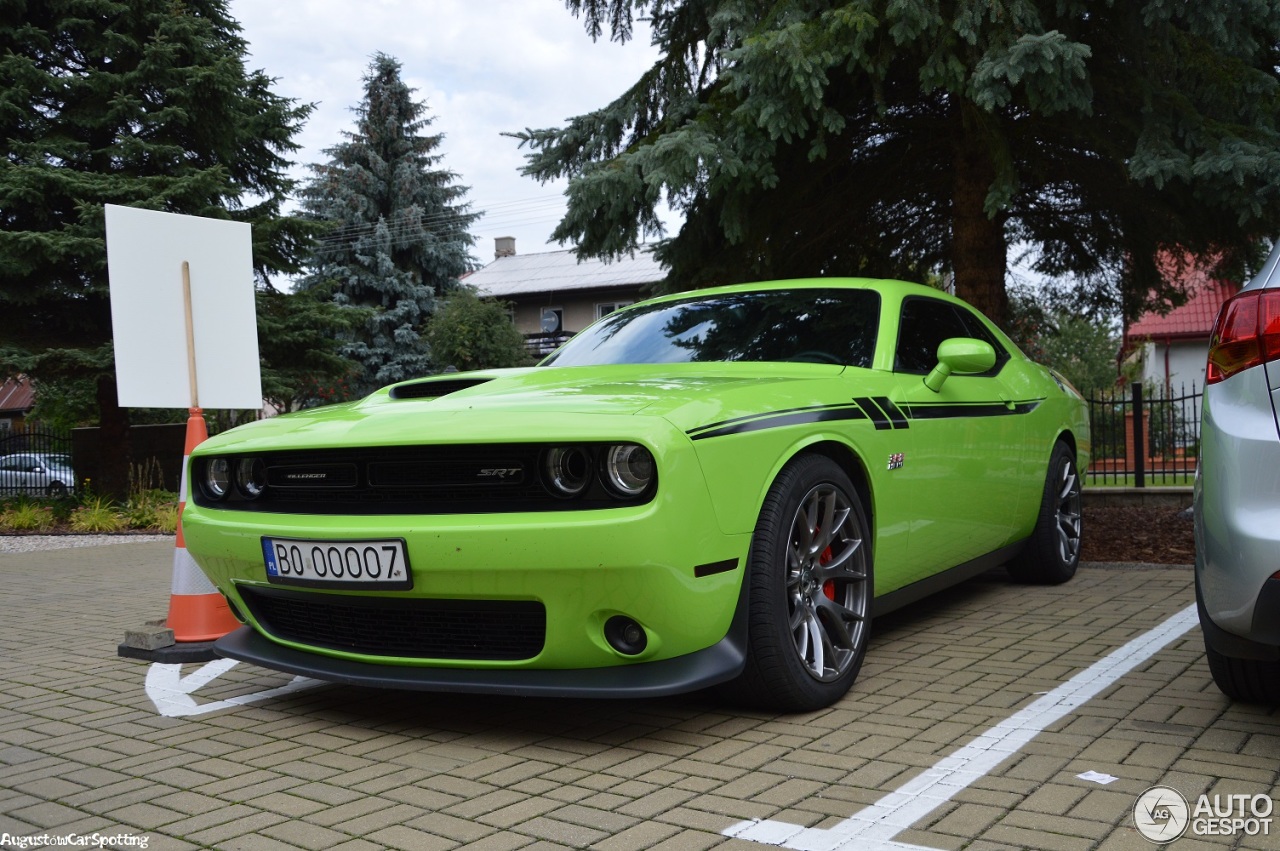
<point x="1246" y="334"/>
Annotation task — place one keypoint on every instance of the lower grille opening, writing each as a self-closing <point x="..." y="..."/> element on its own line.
<point x="477" y="630"/>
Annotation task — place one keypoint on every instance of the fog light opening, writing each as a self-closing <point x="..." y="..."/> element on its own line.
<point x="625" y="635"/>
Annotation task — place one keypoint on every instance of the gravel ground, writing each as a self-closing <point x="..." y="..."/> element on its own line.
<point x="32" y="543"/>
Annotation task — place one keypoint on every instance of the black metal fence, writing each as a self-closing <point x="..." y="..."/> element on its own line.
<point x="1145" y="436"/>
<point x="36" y="462"/>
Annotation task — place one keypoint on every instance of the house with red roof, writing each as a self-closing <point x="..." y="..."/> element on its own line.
<point x="1174" y="346"/>
<point x="17" y="398"/>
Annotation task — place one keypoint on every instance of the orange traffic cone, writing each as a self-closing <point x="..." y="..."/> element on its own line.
<point x="197" y="612"/>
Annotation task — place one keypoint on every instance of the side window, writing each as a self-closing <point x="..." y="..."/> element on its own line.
<point x="978" y="330"/>
<point x="925" y="323"/>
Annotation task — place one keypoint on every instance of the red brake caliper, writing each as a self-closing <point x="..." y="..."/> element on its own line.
<point x="828" y="587"/>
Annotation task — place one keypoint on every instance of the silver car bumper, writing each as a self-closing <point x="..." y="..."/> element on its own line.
<point x="1237" y="496"/>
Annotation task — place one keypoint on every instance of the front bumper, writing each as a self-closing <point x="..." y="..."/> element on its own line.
<point x="718" y="663"/>
<point x="667" y="565"/>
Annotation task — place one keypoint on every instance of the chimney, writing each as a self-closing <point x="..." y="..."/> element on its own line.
<point x="504" y="246"/>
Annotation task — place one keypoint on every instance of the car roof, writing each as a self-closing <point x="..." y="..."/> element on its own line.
<point x="885" y="286"/>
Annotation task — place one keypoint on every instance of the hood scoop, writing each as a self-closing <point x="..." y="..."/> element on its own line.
<point x="435" y="388"/>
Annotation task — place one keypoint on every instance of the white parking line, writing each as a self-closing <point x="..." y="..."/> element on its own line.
<point x="171" y="692"/>
<point x="873" y="829"/>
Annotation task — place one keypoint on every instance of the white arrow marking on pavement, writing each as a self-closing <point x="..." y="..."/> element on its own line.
<point x="171" y="692"/>
<point x="873" y="829"/>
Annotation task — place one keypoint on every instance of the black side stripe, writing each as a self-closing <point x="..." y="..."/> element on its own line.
<point x="873" y="411"/>
<point x="940" y="411"/>
<point x="801" y="416"/>
<point x="882" y="412"/>
<point x="895" y="414"/>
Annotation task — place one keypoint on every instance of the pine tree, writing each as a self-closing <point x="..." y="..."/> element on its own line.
<point x="299" y="339"/>
<point x="399" y="235"/>
<point x="133" y="102"/>
<point x="891" y="138"/>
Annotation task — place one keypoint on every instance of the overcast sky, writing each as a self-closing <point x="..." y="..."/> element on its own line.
<point x="483" y="67"/>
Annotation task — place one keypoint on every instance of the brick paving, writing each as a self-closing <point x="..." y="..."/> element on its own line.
<point x="84" y="750"/>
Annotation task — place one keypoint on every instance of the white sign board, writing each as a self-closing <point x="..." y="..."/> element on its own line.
<point x="146" y="250"/>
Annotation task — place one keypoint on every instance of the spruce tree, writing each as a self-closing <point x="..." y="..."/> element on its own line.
<point x="134" y="102"/>
<point x="399" y="230"/>
<point x="890" y="138"/>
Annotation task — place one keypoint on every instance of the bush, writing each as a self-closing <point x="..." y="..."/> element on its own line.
<point x="26" y="516"/>
<point x="153" y="510"/>
<point x="97" y="515"/>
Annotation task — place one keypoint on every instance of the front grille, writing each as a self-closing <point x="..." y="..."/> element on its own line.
<point x="429" y="479"/>
<point x="474" y="630"/>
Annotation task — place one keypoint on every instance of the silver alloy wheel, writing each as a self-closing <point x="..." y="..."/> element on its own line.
<point x="1068" y="514"/>
<point x="828" y="598"/>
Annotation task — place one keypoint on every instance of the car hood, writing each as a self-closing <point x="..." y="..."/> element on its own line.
<point x="518" y="404"/>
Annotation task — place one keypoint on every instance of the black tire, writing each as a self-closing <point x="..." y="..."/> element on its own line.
<point x="1052" y="553"/>
<point x="57" y="490"/>
<point x="810" y="590"/>
<point x="1245" y="680"/>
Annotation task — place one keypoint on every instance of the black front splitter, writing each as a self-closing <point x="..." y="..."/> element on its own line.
<point x="713" y="665"/>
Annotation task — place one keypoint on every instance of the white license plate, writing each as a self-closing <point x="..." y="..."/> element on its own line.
<point x="337" y="564"/>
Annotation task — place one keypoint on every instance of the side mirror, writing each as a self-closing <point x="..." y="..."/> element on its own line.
<point x="962" y="356"/>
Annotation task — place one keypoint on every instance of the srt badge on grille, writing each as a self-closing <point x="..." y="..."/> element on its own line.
<point x="498" y="472"/>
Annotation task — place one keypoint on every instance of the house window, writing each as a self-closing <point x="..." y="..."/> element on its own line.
<point x="605" y="308"/>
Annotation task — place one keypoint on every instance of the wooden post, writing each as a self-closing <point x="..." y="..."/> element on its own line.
<point x="191" y="334"/>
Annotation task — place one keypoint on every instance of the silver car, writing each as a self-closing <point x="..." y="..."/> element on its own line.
<point x="1237" y="494"/>
<point x="36" y="473"/>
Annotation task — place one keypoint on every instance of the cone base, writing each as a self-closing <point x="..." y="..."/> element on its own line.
<point x="200" y="617"/>
<point x="174" y="654"/>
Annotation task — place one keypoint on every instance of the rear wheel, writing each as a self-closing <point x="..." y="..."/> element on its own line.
<point x="810" y="592"/>
<point x="1052" y="552"/>
<point x="1246" y="680"/>
<point x="56" y="490"/>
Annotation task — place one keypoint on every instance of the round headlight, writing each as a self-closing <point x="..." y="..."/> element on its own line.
<point x="628" y="469"/>
<point x="217" y="478"/>
<point x="568" y="470"/>
<point x="251" y="477"/>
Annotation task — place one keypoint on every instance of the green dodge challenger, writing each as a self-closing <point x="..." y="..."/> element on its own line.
<point x="713" y="488"/>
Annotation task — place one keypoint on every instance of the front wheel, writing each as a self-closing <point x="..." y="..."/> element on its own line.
<point x="1052" y="552"/>
<point x="810" y="590"/>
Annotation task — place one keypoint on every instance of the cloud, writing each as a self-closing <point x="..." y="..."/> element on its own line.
<point x="484" y="67"/>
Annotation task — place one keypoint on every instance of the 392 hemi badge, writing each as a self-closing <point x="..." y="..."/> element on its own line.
<point x="895" y="461"/>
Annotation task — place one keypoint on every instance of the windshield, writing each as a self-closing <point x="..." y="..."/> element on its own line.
<point x="806" y="325"/>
